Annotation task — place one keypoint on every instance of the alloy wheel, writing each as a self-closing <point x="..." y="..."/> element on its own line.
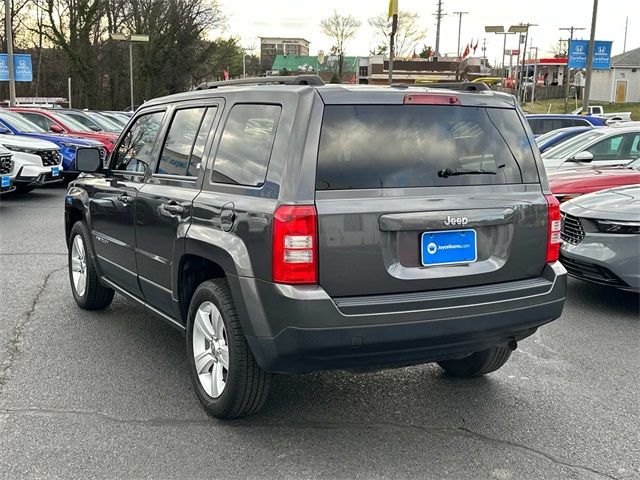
<point x="210" y="349"/>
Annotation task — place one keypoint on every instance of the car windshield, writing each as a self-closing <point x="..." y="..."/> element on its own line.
<point x="635" y="164"/>
<point x="70" y="120"/>
<point x="566" y="149"/>
<point x="104" y="123"/>
<point x="20" y="123"/>
<point x="547" y="136"/>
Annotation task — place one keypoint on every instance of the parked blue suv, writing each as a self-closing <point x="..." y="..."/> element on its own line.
<point x="12" y="123"/>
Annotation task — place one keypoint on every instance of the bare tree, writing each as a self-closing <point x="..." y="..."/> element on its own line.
<point x="340" y="28"/>
<point x="409" y="34"/>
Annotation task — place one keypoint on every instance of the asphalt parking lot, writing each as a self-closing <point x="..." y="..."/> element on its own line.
<point x="107" y="394"/>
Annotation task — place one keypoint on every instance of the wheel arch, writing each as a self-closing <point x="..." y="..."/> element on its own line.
<point x="76" y="208"/>
<point x="204" y="259"/>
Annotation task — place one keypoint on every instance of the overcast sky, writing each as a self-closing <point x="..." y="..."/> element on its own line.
<point x="250" y="19"/>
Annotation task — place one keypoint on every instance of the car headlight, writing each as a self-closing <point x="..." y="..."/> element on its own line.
<point x="611" y="226"/>
<point x="14" y="148"/>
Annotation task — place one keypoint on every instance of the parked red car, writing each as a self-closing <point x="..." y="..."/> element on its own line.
<point x="568" y="184"/>
<point x="62" y="121"/>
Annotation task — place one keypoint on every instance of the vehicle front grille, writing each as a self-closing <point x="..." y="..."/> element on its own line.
<point x="590" y="272"/>
<point x="49" y="158"/>
<point x="572" y="231"/>
<point x="6" y="165"/>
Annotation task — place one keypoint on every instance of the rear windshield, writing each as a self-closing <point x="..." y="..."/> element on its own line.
<point x="390" y="146"/>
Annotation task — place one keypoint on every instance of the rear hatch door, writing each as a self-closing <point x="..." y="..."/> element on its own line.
<point x="415" y="197"/>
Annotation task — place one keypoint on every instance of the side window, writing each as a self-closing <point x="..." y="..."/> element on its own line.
<point x="136" y="147"/>
<point x="245" y="147"/>
<point x="38" y="119"/>
<point x="536" y="126"/>
<point x="548" y="125"/>
<point x="184" y="145"/>
<point x="635" y="146"/>
<point x="607" y="149"/>
<point x="581" y="123"/>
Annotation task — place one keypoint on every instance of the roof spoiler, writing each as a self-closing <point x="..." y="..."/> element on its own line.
<point x="313" y="80"/>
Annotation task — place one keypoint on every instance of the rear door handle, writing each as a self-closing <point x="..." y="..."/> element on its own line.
<point x="125" y="198"/>
<point x="173" y="208"/>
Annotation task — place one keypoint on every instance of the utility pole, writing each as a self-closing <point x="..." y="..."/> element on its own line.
<point x="484" y="52"/>
<point x="459" y="29"/>
<point x="626" y="25"/>
<point x="567" y="80"/>
<point x="9" y="34"/>
<point x="438" y="16"/>
<point x="592" y="39"/>
<point x="524" y="58"/>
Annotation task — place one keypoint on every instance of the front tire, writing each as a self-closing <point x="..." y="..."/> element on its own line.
<point x="228" y="381"/>
<point x="477" y="364"/>
<point x="85" y="285"/>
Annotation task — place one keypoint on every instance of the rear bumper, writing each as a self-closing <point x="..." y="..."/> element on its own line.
<point x="302" y="329"/>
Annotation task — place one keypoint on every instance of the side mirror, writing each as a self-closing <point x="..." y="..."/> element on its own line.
<point x="56" y="128"/>
<point x="88" y="160"/>
<point x="582" y="157"/>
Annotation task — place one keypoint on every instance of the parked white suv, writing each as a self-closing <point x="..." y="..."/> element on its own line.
<point x="36" y="162"/>
<point x="7" y="171"/>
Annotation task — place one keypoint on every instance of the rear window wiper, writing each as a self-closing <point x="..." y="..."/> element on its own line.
<point x="451" y="172"/>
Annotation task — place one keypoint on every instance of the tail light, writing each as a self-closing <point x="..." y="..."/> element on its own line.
<point x="553" y="239"/>
<point x="295" y="245"/>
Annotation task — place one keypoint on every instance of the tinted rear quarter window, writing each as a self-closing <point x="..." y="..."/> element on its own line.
<point x="246" y="144"/>
<point x="389" y="146"/>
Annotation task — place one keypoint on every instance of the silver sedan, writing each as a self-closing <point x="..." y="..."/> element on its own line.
<point x="601" y="237"/>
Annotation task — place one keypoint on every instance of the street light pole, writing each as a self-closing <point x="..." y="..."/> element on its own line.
<point x="459" y="29"/>
<point x="131" y="74"/>
<point x="9" y="34"/>
<point x="592" y="39"/>
<point x="130" y="39"/>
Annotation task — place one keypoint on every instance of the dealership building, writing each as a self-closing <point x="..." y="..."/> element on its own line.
<point x="620" y="83"/>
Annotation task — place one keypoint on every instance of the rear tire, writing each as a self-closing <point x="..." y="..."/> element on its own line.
<point x="477" y="364"/>
<point x="85" y="285"/>
<point x="227" y="380"/>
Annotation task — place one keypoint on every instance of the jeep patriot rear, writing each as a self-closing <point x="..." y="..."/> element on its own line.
<point x="288" y="226"/>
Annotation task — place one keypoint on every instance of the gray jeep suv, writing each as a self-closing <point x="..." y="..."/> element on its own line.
<point x="288" y="226"/>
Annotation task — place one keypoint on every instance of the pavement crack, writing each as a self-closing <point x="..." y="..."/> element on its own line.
<point x="442" y="432"/>
<point x="537" y="453"/>
<point x="18" y="254"/>
<point x="103" y="416"/>
<point x="16" y="338"/>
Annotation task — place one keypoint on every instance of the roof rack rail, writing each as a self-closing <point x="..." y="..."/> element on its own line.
<point x="313" y="80"/>
<point x="460" y="86"/>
